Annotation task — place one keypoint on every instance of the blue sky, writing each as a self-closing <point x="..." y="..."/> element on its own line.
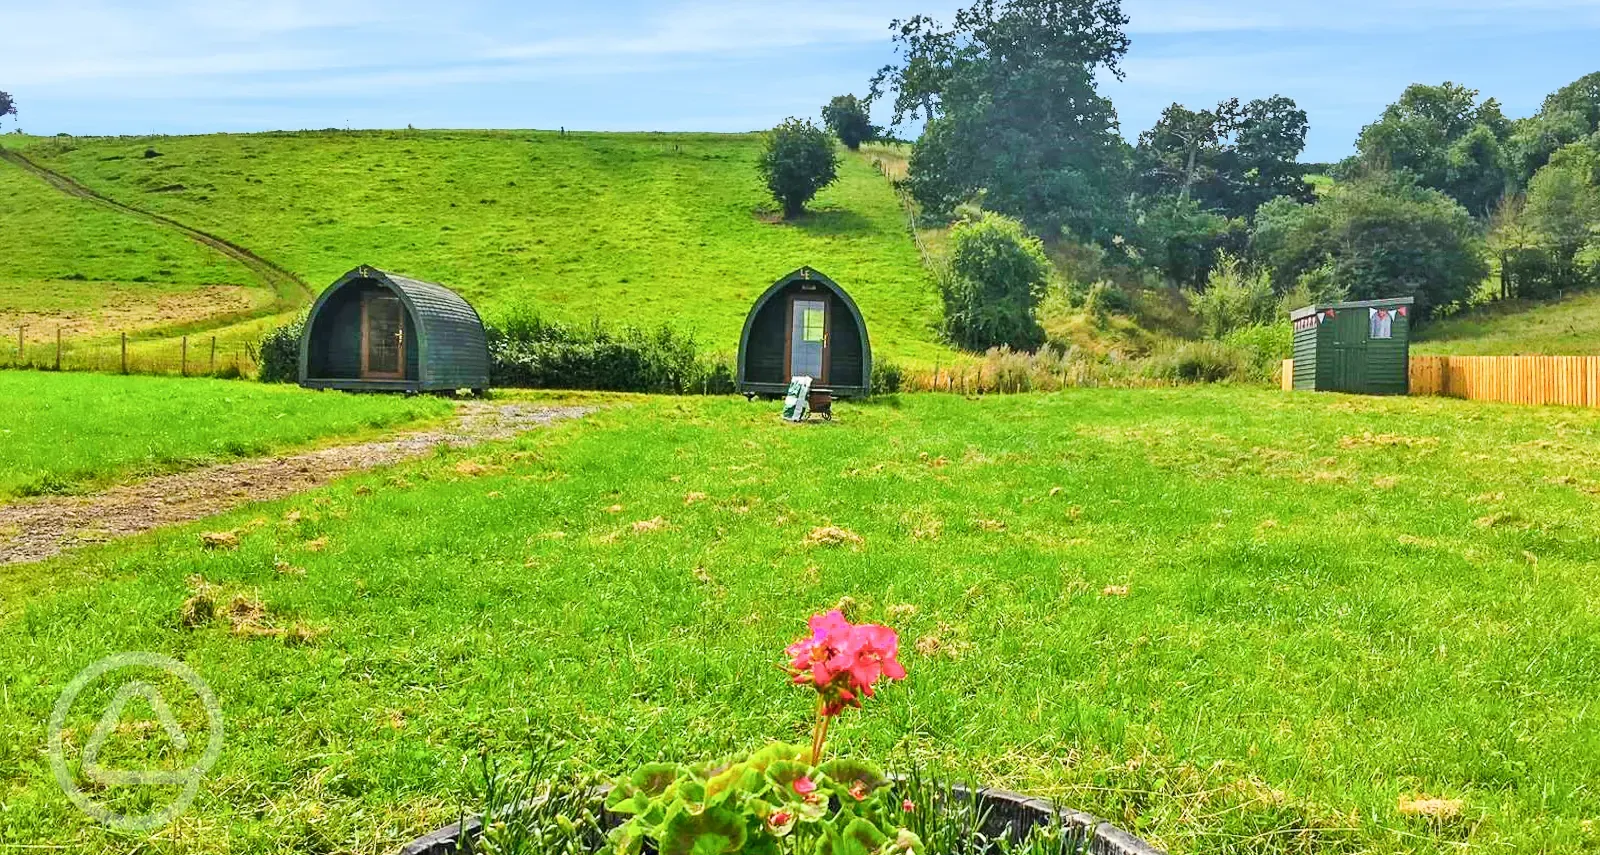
<point x="196" y="66"/>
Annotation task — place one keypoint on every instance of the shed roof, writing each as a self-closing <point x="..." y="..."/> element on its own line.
<point x="1297" y="314"/>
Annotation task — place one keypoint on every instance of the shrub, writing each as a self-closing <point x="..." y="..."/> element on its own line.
<point x="799" y="159"/>
<point x="997" y="275"/>
<point x="1107" y="298"/>
<point x="1233" y="297"/>
<point x="525" y="350"/>
<point x="278" y="355"/>
<point x="1198" y="362"/>
<point x="886" y="377"/>
<point x="1266" y="346"/>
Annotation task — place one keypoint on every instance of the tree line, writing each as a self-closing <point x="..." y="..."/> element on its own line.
<point x="1018" y="143"/>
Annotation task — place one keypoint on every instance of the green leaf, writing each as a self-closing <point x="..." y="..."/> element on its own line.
<point x="626" y="839"/>
<point x="783" y="774"/>
<point x="851" y="774"/>
<point x="713" y="832"/>
<point x="765" y="757"/>
<point x="625" y="799"/>
<point x="655" y="778"/>
<point x="739" y="778"/>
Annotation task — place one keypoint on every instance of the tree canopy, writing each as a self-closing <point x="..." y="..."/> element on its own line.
<point x="849" y="119"/>
<point x="1013" y="113"/>
<point x="799" y="159"/>
<point x="8" y="107"/>
<point x="1374" y="238"/>
<point x="1445" y="139"/>
<point x="1231" y="159"/>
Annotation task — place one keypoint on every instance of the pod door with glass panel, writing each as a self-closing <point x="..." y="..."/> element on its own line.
<point x="808" y="336"/>
<point x="383" y="342"/>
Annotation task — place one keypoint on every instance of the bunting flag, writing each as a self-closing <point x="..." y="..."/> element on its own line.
<point x="1401" y="311"/>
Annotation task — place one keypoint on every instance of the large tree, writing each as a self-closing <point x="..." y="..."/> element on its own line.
<point x="1185" y="146"/>
<point x="1379" y="237"/>
<point x="848" y="118"/>
<point x="1563" y="207"/>
<point x="1231" y="158"/>
<point x="1443" y="138"/>
<point x="1265" y="161"/>
<point x="1568" y="115"/>
<point x="1013" y="114"/>
<point x="8" y="107"/>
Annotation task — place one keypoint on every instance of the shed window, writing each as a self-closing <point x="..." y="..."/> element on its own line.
<point x="812" y="328"/>
<point x="1382" y="323"/>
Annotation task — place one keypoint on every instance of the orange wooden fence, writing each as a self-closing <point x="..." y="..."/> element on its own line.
<point x="1566" y="380"/>
<point x="1569" y="380"/>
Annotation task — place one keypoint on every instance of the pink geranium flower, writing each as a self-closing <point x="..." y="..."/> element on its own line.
<point x="843" y="661"/>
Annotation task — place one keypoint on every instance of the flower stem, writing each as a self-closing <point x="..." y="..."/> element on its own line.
<point x="819" y="732"/>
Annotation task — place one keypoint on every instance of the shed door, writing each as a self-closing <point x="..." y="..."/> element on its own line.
<point x="383" y="344"/>
<point x="1350" y="351"/>
<point x="808" y="338"/>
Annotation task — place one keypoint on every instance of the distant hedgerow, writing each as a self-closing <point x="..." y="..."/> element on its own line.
<point x="526" y="350"/>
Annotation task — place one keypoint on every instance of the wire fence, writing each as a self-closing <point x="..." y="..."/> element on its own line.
<point x="188" y="355"/>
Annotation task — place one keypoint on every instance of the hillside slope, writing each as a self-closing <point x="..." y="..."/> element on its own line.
<point x="1567" y="327"/>
<point x="640" y="228"/>
<point x="82" y="267"/>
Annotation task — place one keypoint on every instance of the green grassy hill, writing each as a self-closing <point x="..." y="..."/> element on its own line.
<point x="72" y="263"/>
<point x="1569" y="327"/>
<point x="639" y="228"/>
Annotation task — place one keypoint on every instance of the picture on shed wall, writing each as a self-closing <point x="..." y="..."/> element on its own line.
<point x="1382" y="321"/>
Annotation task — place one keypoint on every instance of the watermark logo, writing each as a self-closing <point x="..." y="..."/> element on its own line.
<point x="180" y="785"/>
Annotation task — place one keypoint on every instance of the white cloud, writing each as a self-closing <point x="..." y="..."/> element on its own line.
<point x="1355" y="16"/>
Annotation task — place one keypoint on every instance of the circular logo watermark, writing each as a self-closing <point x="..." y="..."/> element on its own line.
<point x="186" y="780"/>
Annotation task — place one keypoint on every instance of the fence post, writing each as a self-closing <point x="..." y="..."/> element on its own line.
<point x="183" y="358"/>
<point x="124" y="353"/>
<point x="58" y="348"/>
<point x="19" y="341"/>
<point x="213" y="369"/>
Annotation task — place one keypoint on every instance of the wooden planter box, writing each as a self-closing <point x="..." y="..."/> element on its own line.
<point x="1009" y="814"/>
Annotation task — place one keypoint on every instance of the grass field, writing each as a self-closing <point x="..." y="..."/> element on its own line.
<point x="1231" y="620"/>
<point x="69" y="432"/>
<point x="74" y="264"/>
<point x="1569" y="327"/>
<point x="639" y="228"/>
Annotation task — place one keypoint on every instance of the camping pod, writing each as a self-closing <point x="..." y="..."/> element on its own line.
<point x="1362" y="347"/>
<point x="805" y="325"/>
<point x="373" y="331"/>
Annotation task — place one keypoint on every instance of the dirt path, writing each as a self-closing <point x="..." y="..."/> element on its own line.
<point x="33" y="530"/>
<point x="289" y="288"/>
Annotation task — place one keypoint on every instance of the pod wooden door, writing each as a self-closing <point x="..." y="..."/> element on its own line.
<point x="383" y="344"/>
<point x="808" y="337"/>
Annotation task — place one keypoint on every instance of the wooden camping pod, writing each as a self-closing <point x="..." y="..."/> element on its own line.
<point x="804" y="324"/>
<point x="379" y="332"/>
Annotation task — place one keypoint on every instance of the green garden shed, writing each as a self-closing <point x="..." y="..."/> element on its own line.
<point x="373" y="331"/>
<point x="1362" y="347"/>
<point x="804" y="324"/>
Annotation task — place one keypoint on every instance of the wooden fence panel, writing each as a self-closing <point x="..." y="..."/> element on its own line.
<point x="1572" y="381"/>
